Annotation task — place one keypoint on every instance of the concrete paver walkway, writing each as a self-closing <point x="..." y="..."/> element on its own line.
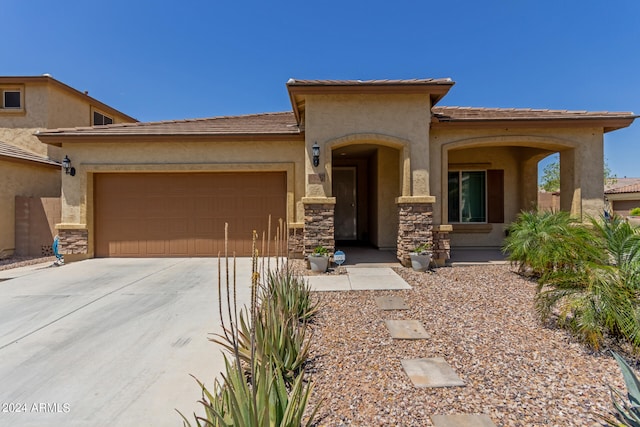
<point x="359" y="279"/>
<point x="431" y="372"/>
<point x="462" y="420"/>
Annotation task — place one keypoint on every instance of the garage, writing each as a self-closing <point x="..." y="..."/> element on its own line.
<point x="183" y="214"/>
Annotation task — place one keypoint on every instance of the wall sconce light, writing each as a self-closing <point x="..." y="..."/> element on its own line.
<point x="66" y="165"/>
<point x="315" y="149"/>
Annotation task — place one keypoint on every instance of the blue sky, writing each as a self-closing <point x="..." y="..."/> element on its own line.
<point x="173" y="60"/>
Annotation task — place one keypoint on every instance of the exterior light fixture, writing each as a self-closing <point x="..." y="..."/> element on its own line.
<point x="315" y="149"/>
<point x="66" y="165"/>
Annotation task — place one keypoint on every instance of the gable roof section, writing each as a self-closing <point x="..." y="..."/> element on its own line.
<point x="477" y="116"/>
<point x="47" y="79"/>
<point x="435" y="88"/>
<point x="268" y="125"/>
<point x="12" y="153"/>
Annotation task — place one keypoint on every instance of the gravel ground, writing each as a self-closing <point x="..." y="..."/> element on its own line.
<point x="481" y="320"/>
<point x="14" y="262"/>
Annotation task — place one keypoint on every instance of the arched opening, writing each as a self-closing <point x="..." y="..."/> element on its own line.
<point x="365" y="180"/>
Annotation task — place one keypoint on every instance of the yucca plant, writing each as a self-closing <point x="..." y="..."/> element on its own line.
<point x="627" y="408"/>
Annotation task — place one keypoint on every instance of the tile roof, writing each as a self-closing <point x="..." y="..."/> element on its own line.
<point x="267" y="123"/>
<point x="623" y="185"/>
<point x="12" y="152"/>
<point x="387" y="82"/>
<point x="445" y="114"/>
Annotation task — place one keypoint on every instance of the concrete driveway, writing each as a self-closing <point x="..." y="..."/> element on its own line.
<point x="110" y="342"/>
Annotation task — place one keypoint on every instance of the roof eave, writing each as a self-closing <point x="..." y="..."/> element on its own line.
<point x="436" y="90"/>
<point x="57" y="139"/>
<point x="50" y="80"/>
<point x="608" y="124"/>
<point x="31" y="162"/>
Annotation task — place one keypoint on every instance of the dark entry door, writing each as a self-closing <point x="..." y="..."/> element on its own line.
<point x="344" y="190"/>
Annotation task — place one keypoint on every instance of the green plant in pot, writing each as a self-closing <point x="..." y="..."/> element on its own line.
<point x="319" y="259"/>
<point x="421" y="256"/>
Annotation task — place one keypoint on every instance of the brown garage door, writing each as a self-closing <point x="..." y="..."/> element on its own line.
<point x="183" y="214"/>
<point x="622" y="207"/>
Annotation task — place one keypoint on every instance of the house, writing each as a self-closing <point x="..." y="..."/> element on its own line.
<point x="622" y="195"/>
<point x="29" y="169"/>
<point x="370" y="161"/>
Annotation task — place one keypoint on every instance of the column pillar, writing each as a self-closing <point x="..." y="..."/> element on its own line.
<point x="319" y="229"/>
<point x="415" y="224"/>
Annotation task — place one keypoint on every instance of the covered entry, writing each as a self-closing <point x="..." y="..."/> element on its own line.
<point x="365" y="183"/>
<point x="183" y="214"/>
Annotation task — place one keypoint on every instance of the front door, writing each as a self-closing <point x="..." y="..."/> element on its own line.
<point x="344" y="190"/>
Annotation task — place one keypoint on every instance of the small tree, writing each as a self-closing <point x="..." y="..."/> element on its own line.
<point x="551" y="176"/>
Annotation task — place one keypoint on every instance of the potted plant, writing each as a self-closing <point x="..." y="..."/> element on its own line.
<point x="421" y="257"/>
<point x="319" y="259"/>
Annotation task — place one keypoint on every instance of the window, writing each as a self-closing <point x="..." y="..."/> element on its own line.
<point x="12" y="99"/>
<point x="476" y="196"/>
<point x="468" y="196"/>
<point x="100" y="119"/>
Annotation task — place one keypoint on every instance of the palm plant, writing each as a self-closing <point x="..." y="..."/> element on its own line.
<point x="598" y="295"/>
<point x="541" y="242"/>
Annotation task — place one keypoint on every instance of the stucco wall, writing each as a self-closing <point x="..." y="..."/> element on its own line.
<point x="383" y="119"/>
<point x="388" y="190"/>
<point x="24" y="180"/>
<point x="67" y="110"/>
<point x="517" y="151"/>
<point x="77" y="196"/>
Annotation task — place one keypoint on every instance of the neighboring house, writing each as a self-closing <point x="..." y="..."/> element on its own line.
<point x="369" y="161"/>
<point x="29" y="169"/>
<point x="623" y="195"/>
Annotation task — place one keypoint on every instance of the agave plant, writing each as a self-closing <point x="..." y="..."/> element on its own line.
<point x="290" y="293"/>
<point x="627" y="407"/>
<point x="276" y="338"/>
<point x="264" y="401"/>
<point x="263" y="383"/>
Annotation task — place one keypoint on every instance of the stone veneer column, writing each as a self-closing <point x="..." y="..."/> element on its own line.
<point x="73" y="241"/>
<point x="414" y="224"/>
<point x="319" y="223"/>
<point x="296" y="241"/>
<point x="441" y="244"/>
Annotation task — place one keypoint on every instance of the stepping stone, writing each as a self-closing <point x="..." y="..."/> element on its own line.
<point x="391" y="303"/>
<point x="406" y="329"/>
<point x="462" y="420"/>
<point x="433" y="372"/>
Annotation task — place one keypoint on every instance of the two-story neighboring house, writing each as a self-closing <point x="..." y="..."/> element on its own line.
<point x="30" y="171"/>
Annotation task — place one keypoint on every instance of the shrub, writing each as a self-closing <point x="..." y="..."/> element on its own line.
<point x="542" y="242"/>
<point x="635" y="211"/>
